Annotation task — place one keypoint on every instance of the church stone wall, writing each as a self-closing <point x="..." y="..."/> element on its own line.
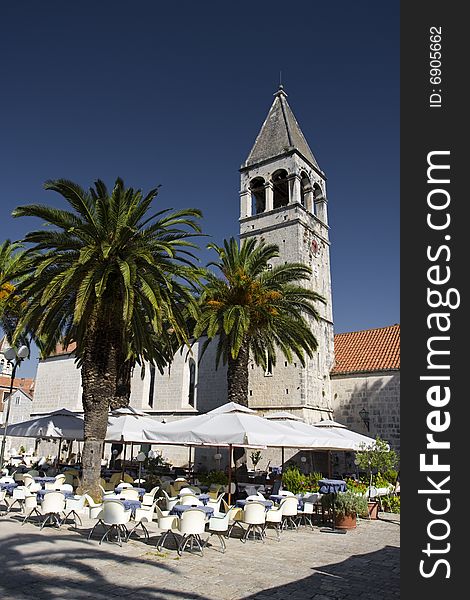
<point x="379" y="393"/>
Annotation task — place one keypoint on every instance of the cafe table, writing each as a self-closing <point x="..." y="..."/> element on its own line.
<point x="267" y="503"/>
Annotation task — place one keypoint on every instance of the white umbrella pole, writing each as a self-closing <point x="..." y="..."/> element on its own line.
<point x="230" y="474"/>
<point x="58" y="452"/>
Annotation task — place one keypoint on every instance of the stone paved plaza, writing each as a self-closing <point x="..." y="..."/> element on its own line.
<point x="362" y="564"/>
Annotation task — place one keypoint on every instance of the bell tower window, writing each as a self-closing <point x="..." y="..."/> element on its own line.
<point x="258" y="195"/>
<point x="280" y="189"/>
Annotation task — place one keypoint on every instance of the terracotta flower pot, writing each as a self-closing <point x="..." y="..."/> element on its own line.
<point x="345" y="522"/>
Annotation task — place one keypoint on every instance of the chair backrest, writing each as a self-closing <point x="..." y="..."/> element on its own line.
<point x="313" y="498"/>
<point x="180" y="483"/>
<point x="69" y="477"/>
<point x="124" y="485"/>
<point x="76" y="503"/>
<point x="129" y="494"/>
<point x="192" y="520"/>
<point x="191" y="500"/>
<point x="285" y="493"/>
<point x="114" y="513"/>
<point x="250" y="490"/>
<point x="289" y="506"/>
<point x="30" y="501"/>
<point x="126" y="478"/>
<point x="219" y="522"/>
<point x="20" y="493"/>
<point x="66" y="487"/>
<point x="254" y="513"/>
<point x="253" y="497"/>
<point x="33" y="473"/>
<point x="53" y="502"/>
<point x="28" y="479"/>
<point x="115" y="478"/>
<point x="186" y="490"/>
<point x="7" y="479"/>
<point x="89" y="500"/>
<point x="60" y="479"/>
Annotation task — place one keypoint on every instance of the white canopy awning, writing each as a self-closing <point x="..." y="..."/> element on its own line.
<point x="61" y="423"/>
<point x="357" y="440"/>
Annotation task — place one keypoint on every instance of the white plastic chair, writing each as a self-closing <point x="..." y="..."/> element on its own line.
<point x="218" y="525"/>
<point x="170" y="501"/>
<point x="289" y="512"/>
<point x="3" y="494"/>
<point x="124" y="485"/>
<point x="18" y="497"/>
<point x="7" y="479"/>
<point x="166" y="523"/>
<point x="66" y="487"/>
<point x="144" y="514"/>
<point x="52" y="507"/>
<point x="254" y="515"/>
<point x="115" y="517"/>
<point x="215" y="503"/>
<point x="129" y="494"/>
<point x="192" y="525"/>
<point x="149" y="497"/>
<point x="30" y="507"/>
<point x="73" y="506"/>
<point x="274" y="518"/>
<point x="190" y="500"/>
<point x="95" y="512"/>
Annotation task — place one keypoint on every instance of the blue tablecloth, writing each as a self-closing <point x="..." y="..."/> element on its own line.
<point x="41" y="493"/>
<point x="44" y="479"/>
<point x="118" y="489"/>
<point x="9" y="487"/>
<point x="180" y="508"/>
<point x="267" y="503"/>
<point x="204" y="498"/>
<point x="331" y="486"/>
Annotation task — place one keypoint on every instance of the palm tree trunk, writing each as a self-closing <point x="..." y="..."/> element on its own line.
<point x="237" y="377"/>
<point x="99" y="377"/>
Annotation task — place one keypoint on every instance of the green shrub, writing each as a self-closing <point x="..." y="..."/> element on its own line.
<point x="293" y="480"/>
<point x="346" y="504"/>
<point x="357" y="487"/>
<point x="391" y="504"/>
<point x="213" y="477"/>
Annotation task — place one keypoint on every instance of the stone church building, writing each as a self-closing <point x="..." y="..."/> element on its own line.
<point x="283" y="200"/>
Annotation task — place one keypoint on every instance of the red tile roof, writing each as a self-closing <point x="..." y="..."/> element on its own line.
<point x="60" y="350"/>
<point x="26" y="384"/>
<point x="367" y="351"/>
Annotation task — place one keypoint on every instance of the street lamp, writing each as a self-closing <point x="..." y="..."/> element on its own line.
<point x="364" y="414"/>
<point x="11" y="354"/>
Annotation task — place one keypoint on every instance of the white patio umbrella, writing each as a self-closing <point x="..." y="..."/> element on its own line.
<point x="234" y="425"/>
<point x="331" y="440"/>
<point x="127" y="425"/>
<point x="60" y="424"/>
<point x="357" y="440"/>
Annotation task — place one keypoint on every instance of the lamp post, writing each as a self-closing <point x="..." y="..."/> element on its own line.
<point x="11" y="354"/>
<point x="364" y="414"/>
<point x="141" y="458"/>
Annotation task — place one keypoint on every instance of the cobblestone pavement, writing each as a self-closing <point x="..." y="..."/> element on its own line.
<point x="362" y="564"/>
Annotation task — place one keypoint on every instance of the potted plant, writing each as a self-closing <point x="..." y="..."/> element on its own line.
<point x="347" y="505"/>
<point x="373" y="459"/>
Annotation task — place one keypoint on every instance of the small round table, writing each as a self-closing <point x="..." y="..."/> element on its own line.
<point x="42" y="480"/>
<point x="204" y="498"/>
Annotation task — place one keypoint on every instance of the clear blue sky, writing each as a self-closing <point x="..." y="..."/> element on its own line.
<point x="174" y="94"/>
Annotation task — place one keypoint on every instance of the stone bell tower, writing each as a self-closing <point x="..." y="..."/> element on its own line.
<point x="283" y="201"/>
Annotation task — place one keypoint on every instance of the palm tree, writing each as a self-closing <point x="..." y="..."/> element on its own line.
<point x="13" y="260"/>
<point x="116" y="281"/>
<point x="254" y="310"/>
